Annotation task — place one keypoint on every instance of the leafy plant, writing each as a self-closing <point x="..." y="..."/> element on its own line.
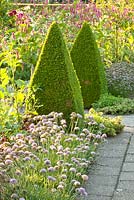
<point x="110" y="126"/>
<point x="12" y="92"/>
<point x="109" y="104"/>
<point x="120" y="79"/>
<point x="4" y="8"/>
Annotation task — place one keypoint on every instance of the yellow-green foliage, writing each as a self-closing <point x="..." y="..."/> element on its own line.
<point x="54" y="85"/>
<point x="89" y="68"/>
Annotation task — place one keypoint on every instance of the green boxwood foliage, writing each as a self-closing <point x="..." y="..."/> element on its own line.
<point x="54" y="85"/>
<point x="89" y="68"/>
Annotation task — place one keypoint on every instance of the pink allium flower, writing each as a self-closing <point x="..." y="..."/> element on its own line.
<point x="43" y="170"/>
<point x="27" y="158"/>
<point x="14" y="196"/>
<point x="84" y="177"/>
<point x="13" y="181"/>
<point x="51" y="169"/>
<point x="81" y="191"/>
<point x="64" y="176"/>
<point x="51" y="178"/>
<point x="19" y="136"/>
<point x="76" y="183"/>
<point x="8" y="162"/>
<point x="60" y="187"/>
<point x="2" y="164"/>
<point x="47" y="162"/>
<point x="104" y="136"/>
<point x="72" y="169"/>
<point x="18" y="172"/>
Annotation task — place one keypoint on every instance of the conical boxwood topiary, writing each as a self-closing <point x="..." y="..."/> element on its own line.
<point x="54" y="85"/>
<point x="89" y="68"/>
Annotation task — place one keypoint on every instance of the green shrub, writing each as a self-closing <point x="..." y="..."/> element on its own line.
<point x="54" y="85"/>
<point x="120" y="78"/>
<point x="109" y="104"/>
<point x="87" y="63"/>
<point x="5" y="6"/>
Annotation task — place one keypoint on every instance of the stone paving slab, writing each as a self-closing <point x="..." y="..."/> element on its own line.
<point x="100" y="189"/>
<point x="127" y="176"/>
<point x="129" y="158"/>
<point x="128" y="120"/>
<point x="104" y="170"/>
<point x="103" y="180"/>
<point x="123" y="196"/>
<point x="111" y="154"/>
<point x="121" y="140"/>
<point x="132" y="139"/>
<point x="96" y="197"/>
<point x="126" y="186"/>
<point x="130" y="150"/>
<point x="107" y="146"/>
<point x="129" y="129"/>
<point x="114" y="162"/>
<point x="128" y="167"/>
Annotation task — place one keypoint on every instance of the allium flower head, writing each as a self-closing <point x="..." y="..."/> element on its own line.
<point x="84" y="177"/>
<point x="98" y="136"/>
<point x="14" y="196"/>
<point x="104" y="136"/>
<point x="13" y="181"/>
<point x="51" y="178"/>
<point x="51" y="169"/>
<point x="81" y="191"/>
<point x="79" y="116"/>
<point x="64" y="176"/>
<point x="76" y="183"/>
<point x="19" y="135"/>
<point x="43" y="170"/>
<point x="27" y="158"/>
<point x="47" y="162"/>
<point x="18" y="172"/>
<point x="8" y="162"/>
<point x="60" y="187"/>
<point x="2" y="164"/>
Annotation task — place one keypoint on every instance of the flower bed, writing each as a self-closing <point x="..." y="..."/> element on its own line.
<point x="48" y="161"/>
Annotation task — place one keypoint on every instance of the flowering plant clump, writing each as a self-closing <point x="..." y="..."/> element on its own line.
<point x="120" y="79"/>
<point x="98" y="122"/>
<point x="112" y="23"/>
<point x="109" y="104"/>
<point x="49" y="161"/>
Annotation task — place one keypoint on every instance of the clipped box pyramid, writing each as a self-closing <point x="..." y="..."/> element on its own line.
<point x="54" y="85"/>
<point x="89" y="68"/>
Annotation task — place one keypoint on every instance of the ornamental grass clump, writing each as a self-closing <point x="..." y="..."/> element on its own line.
<point x="89" y="68"/>
<point x="54" y="85"/>
<point x="48" y="162"/>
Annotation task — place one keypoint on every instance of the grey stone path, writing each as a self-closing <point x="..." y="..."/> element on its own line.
<point x="112" y="175"/>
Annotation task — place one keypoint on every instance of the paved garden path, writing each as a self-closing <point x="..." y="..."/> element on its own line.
<point x="112" y="175"/>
